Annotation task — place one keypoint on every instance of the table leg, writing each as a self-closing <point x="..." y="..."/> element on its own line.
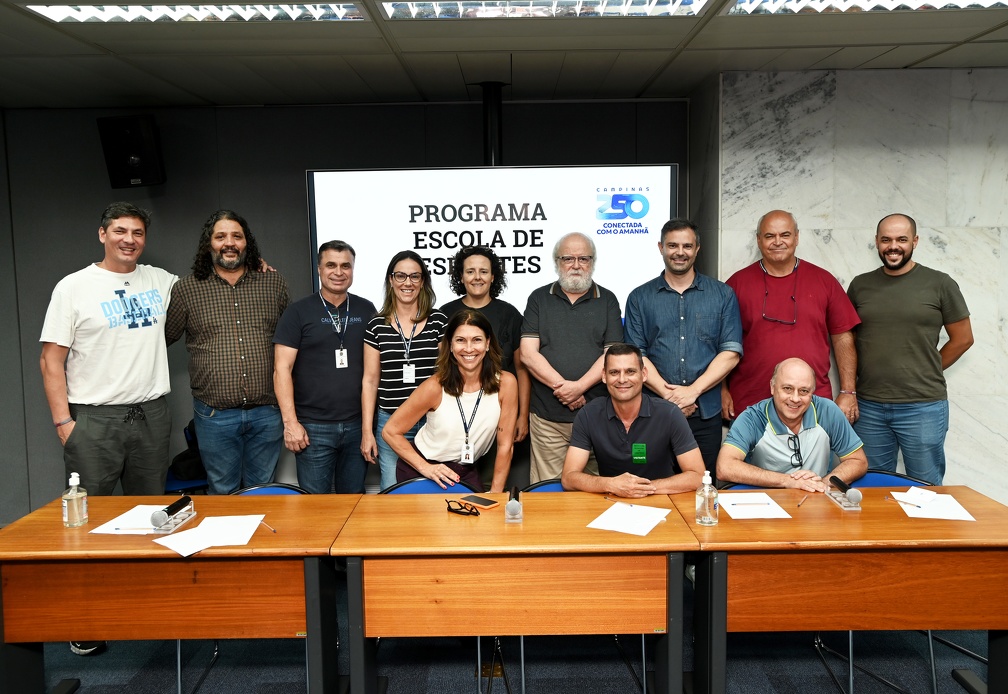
<point x="997" y="667"/>
<point x="668" y="649"/>
<point x="322" y="625"/>
<point x="710" y="623"/>
<point x="363" y="672"/>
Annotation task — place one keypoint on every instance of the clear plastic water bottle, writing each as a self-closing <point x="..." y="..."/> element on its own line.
<point x="75" y="503"/>
<point x="707" y="501"/>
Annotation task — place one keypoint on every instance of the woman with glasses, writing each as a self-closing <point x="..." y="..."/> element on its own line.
<point x="469" y="403"/>
<point x="400" y="351"/>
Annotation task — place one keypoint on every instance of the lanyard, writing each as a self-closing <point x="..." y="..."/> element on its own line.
<point x="338" y="328"/>
<point x="467" y="425"/>
<point x="406" y="343"/>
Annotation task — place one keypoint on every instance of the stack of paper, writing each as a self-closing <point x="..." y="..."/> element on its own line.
<point x="918" y="502"/>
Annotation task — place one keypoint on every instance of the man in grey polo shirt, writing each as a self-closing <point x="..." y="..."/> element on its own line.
<point x="568" y="324"/>
<point x="643" y="444"/>
<point x="788" y="440"/>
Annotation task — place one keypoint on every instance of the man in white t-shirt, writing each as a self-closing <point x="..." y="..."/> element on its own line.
<point x="105" y="364"/>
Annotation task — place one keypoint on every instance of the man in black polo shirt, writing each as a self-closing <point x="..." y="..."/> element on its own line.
<point x="643" y="445"/>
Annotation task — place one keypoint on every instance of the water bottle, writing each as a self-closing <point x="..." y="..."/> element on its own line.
<point x="706" y="502"/>
<point x="75" y="503"/>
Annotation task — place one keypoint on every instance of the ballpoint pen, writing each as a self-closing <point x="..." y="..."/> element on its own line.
<point x="900" y="501"/>
<point x="268" y="525"/>
<point x="802" y="500"/>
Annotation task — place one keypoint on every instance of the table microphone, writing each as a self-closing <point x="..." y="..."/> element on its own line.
<point x="159" y="518"/>
<point x="853" y="495"/>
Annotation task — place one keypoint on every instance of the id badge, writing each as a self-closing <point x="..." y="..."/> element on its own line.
<point x="639" y="452"/>
<point x="409" y="373"/>
<point x="466" y="454"/>
<point x="341" y="359"/>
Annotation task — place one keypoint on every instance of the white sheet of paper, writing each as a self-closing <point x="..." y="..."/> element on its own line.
<point x="186" y="542"/>
<point x="632" y="519"/>
<point x="215" y="531"/>
<point x="231" y="530"/>
<point x="745" y="505"/>
<point x="939" y="506"/>
<point x="920" y="495"/>
<point x="136" y="521"/>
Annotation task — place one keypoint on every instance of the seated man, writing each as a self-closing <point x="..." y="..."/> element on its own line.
<point x="788" y="439"/>
<point x="643" y="445"/>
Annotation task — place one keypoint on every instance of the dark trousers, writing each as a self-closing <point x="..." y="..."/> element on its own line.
<point x="707" y="433"/>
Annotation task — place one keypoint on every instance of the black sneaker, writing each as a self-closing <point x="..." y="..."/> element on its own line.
<point x="88" y="647"/>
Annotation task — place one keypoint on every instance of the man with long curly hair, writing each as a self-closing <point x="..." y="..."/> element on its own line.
<point x="228" y="311"/>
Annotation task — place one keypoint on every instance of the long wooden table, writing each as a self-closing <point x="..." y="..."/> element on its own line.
<point x="62" y="584"/>
<point x="830" y="569"/>
<point x="413" y="569"/>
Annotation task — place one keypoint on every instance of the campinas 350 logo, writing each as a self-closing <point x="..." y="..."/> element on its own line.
<point x="621" y="205"/>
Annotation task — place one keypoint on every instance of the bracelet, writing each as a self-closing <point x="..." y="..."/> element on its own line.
<point x="65" y="421"/>
<point x="848" y="392"/>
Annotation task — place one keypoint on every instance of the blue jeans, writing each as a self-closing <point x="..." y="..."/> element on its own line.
<point x="333" y="455"/>
<point x="916" y="428"/>
<point x="240" y="448"/>
<point x="386" y="456"/>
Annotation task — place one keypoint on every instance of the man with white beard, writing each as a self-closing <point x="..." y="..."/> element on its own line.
<point x="568" y="325"/>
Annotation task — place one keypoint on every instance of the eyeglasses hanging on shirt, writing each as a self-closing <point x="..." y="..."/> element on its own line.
<point x="794" y="301"/>
<point x="340" y="329"/>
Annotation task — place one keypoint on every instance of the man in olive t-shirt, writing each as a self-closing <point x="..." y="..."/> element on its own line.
<point x="902" y="398"/>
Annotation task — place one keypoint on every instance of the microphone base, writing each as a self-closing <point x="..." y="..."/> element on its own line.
<point x="177" y="521"/>
<point x="841" y="500"/>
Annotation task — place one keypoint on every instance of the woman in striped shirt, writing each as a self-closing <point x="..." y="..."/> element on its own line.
<point x="400" y="353"/>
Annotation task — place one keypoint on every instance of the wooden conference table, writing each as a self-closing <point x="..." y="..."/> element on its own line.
<point x="413" y="569"/>
<point x="830" y="569"/>
<point x="62" y="584"/>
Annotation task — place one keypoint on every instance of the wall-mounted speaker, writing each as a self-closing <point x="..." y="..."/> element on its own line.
<point x="132" y="151"/>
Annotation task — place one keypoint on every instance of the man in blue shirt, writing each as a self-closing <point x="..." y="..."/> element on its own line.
<point x="788" y="440"/>
<point x="689" y="329"/>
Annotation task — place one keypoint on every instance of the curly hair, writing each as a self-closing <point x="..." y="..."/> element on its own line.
<point x="499" y="282"/>
<point x="203" y="264"/>
<point x="447" y="369"/>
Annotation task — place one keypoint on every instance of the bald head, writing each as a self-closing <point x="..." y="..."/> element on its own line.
<point x="795" y="370"/>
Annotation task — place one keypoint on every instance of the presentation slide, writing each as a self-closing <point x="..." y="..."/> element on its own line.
<point x="518" y="212"/>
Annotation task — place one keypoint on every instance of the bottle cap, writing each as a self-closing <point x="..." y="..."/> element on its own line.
<point x="74" y="479"/>
<point x="707" y="477"/>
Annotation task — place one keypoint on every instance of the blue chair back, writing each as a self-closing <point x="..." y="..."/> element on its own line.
<point x="545" y="486"/>
<point x="174" y="485"/>
<point x="883" y="478"/>
<point x="735" y="487"/>
<point x="422" y="485"/>
<point x="272" y="489"/>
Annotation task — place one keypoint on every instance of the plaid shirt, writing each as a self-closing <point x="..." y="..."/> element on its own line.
<point x="229" y="335"/>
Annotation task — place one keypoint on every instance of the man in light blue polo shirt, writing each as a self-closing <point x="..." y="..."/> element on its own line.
<point x="788" y="440"/>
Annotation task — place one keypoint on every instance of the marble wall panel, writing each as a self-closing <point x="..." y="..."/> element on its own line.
<point x="891" y="146"/>
<point x="978" y="149"/>
<point x="778" y="128"/>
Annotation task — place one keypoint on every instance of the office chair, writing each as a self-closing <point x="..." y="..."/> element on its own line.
<point x="270" y="489"/>
<point x="173" y="485"/>
<point x="884" y="478"/>
<point x="273" y="488"/>
<point x="545" y="486"/>
<point x="422" y="485"/>
<point x="554" y="485"/>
